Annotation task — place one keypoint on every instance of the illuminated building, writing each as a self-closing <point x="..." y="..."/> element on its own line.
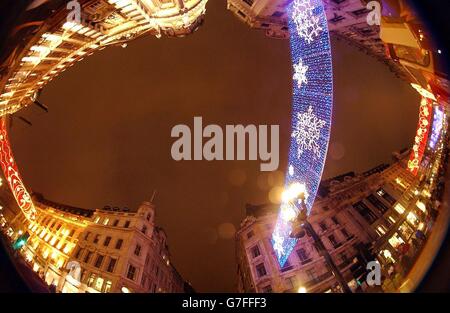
<point x="67" y="36"/>
<point x="375" y="211"/>
<point x="347" y="21"/>
<point x="103" y="250"/>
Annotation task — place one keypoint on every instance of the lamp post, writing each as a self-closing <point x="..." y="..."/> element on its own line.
<point x="303" y="224"/>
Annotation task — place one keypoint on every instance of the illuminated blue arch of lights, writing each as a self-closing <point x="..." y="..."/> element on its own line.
<point x="311" y="113"/>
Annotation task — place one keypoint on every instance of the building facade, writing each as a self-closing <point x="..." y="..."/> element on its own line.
<point x="55" y="35"/>
<point x="104" y="250"/>
<point x="347" y="21"/>
<point x="369" y="216"/>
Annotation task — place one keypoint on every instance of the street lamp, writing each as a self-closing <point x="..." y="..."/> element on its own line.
<point x="298" y="195"/>
<point x="301" y="289"/>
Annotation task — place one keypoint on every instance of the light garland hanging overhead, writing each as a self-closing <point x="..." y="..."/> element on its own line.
<point x="420" y="141"/>
<point x="311" y="114"/>
<point x="11" y="173"/>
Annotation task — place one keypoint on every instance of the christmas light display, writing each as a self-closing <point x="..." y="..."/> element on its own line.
<point x="436" y="129"/>
<point x="311" y="116"/>
<point x="420" y="141"/>
<point x="11" y="174"/>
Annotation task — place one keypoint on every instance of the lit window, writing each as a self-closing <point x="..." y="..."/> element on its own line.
<point x="421" y="206"/>
<point x="412" y="218"/>
<point x="108" y="286"/>
<point x="106" y="221"/>
<point x="399" y="208"/>
<point x="395" y="240"/>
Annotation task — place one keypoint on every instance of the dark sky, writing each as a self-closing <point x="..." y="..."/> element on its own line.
<point x="106" y="139"/>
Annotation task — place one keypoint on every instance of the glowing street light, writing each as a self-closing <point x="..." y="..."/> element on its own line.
<point x="301" y="289"/>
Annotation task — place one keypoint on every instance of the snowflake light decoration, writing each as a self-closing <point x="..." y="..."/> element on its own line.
<point x="300" y="70"/>
<point x="307" y="132"/>
<point x="306" y="21"/>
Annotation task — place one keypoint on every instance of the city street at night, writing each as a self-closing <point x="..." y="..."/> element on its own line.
<point x="218" y="147"/>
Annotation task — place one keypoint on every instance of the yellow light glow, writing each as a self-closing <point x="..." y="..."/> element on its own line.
<point x="295" y="190"/>
<point x="421" y="206"/>
<point x="412" y="218"/>
<point x="53" y="241"/>
<point x="301" y="289"/>
<point x="287" y="212"/>
<point x="67" y="249"/>
<point x="399" y="208"/>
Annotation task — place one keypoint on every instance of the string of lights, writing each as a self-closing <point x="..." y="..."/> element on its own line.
<point x="312" y="104"/>
<point x="11" y="173"/>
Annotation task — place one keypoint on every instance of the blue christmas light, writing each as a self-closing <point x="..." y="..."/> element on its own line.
<point x="311" y="114"/>
<point x="438" y="120"/>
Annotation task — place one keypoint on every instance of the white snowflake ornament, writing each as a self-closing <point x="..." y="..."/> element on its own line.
<point x="307" y="132"/>
<point x="307" y="23"/>
<point x="300" y="70"/>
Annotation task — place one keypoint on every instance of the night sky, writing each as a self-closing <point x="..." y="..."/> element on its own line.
<point x="106" y="139"/>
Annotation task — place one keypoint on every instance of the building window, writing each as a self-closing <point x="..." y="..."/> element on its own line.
<point x="108" y="286"/>
<point x="127" y="224"/>
<point x="106" y="221"/>
<point x="311" y="274"/>
<point x="111" y="265"/>
<point x="107" y="241"/>
<point x="72" y="233"/>
<point x="86" y="237"/>
<point x="87" y="257"/>
<point x="255" y="252"/>
<point x="131" y="274"/>
<point x="144" y="229"/>
<point x="344" y="258"/>
<point x="119" y="243"/>
<point x="149" y="216"/>
<point x="96" y="238"/>
<point x="290" y="282"/>
<point x="381" y="207"/>
<point x="97" y="219"/>
<point x="323" y="226"/>
<point x="249" y="2"/>
<point x="99" y="261"/>
<point x="345" y="233"/>
<point x="99" y="284"/>
<point x="365" y="212"/>
<point x="333" y="241"/>
<point x="267" y="289"/>
<point x="79" y="253"/>
<point x="335" y="220"/>
<point x="137" y="250"/>
<point x="261" y="270"/>
<point x="91" y="279"/>
<point x="116" y="222"/>
<point x="250" y="234"/>
<point x="303" y="256"/>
